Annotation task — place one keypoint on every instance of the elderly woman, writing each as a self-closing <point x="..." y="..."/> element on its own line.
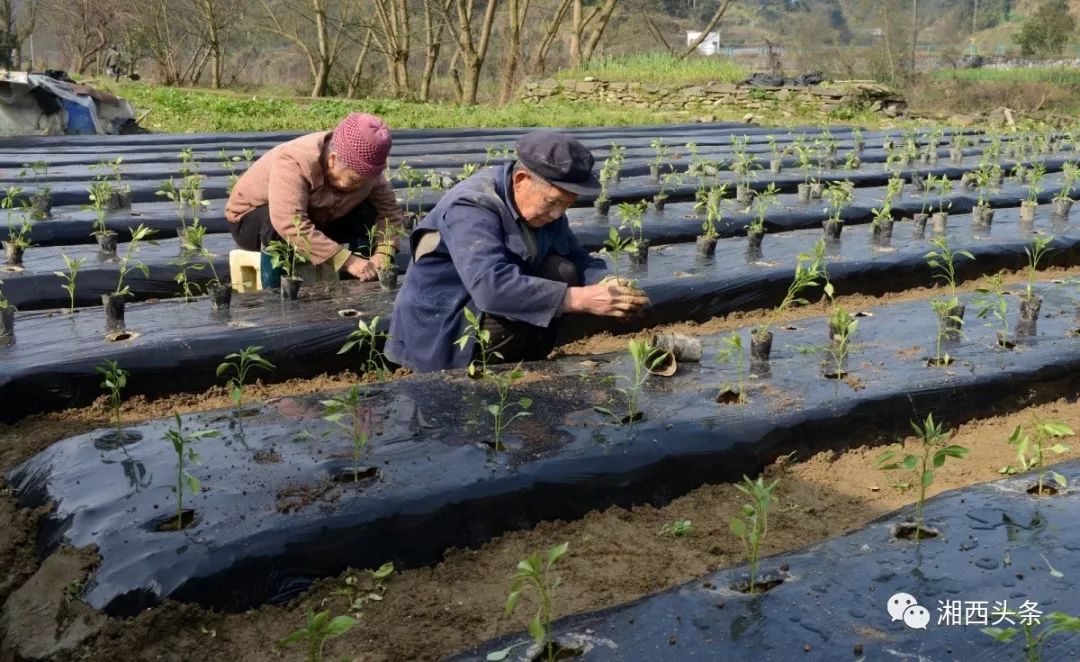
<point x="327" y="186"/>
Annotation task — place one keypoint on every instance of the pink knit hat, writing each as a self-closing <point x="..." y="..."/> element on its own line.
<point x="362" y="141"/>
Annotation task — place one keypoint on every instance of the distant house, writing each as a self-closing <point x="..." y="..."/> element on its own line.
<point x="710" y="45"/>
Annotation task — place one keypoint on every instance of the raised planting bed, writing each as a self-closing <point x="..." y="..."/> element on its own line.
<point x="278" y="507"/>
<point x="999" y="550"/>
<point x="37" y="372"/>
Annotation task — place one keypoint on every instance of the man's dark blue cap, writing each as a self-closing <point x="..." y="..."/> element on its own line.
<point x="559" y="159"/>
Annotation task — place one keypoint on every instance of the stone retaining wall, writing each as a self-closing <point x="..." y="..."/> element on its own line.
<point x="824" y="99"/>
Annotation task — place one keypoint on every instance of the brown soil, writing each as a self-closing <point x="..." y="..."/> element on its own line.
<point x="615" y="555"/>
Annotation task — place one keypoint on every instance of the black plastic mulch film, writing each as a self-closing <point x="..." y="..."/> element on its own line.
<point x="273" y="515"/>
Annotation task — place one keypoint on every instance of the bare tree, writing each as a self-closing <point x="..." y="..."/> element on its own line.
<point x="323" y="21"/>
<point x="719" y="14"/>
<point x="216" y="20"/>
<point x="587" y="27"/>
<point x="539" y="59"/>
<point x="82" y="28"/>
<point x="435" y="13"/>
<point x="515" y="18"/>
<point x="353" y="90"/>
<point x="17" y="25"/>
<point x="168" y="38"/>
<point x="392" y="39"/>
<point x="472" y="49"/>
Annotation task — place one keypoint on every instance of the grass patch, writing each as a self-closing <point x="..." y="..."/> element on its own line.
<point x="186" y="110"/>
<point x="659" y="67"/>
<point x="1057" y="75"/>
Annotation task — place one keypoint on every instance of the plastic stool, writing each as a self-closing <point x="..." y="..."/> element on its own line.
<point x="245" y="270"/>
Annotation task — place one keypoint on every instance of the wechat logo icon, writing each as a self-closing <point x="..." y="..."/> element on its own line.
<point x="904" y="607"/>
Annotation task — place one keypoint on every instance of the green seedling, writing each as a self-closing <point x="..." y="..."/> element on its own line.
<point x="368" y="339"/>
<point x="189" y="289"/>
<point x="318" y="629"/>
<point x="114" y="380"/>
<point x="839" y="194"/>
<point x="808" y="270"/>
<point x="1069" y="174"/>
<point x="185" y="453"/>
<point x="667" y="182"/>
<point x="128" y="263"/>
<point x="468" y="170"/>
<point x="346" y="412"/>
<point x="100" y="192"/>
<point x="733" y="353"/>
<point x="631" y="215"/>
<point x="240" y="364"/>
<point x="934" y="452"/>
<point x="43" y="192"/>
<point x="677" y="529"/>
<point x="536" y="572"/>
<point x="661" y="153"/>
<point x="744" y="165"/>
<point x="992" y="303"/>
<point x="893" y="188"/>
<point x="614" y="246"/>
<point x="643" y="358"/>
<point x="1034" y="641"/>
<point x="882" y="215"/>
<point x="4" y="303"/>
<point x="69" y="277"/>
<point x="709" y="200"/>
<point x="943" y="188"/>
<point x="843" y="326"/>
<point x="762" y="202"/>
<point x="1038" y="249"/>
<point x="1035" y="177"/>
<point x="752" y="524"/>
<point x="1031" y="449"/>
<point x="286" y="254"/>
<point x="503" y="381"/>
<point x="943" y="260"/>
<point x="20" y="236"/>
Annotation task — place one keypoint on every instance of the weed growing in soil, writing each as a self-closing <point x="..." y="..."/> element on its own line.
<point x="752" y="524"/>
<point x="69" y="277"/>
<point x="185" y="453"/>
<point x="368" y="337"/>
<point x="114" y="381"/>
<point x="316" y="631"/>
<point x="128" y="262"/>
<point x="992" y="302"/>
<point x="1038" y="249"/>
<point x="536" y="572"/>
<point x="1031" y="449"/>
<point x="933" y="455"/>
<point x="733" y="353"/>
<point x="503" y="381"/>
<point x="358" y="595"/>
<point x="677" y="529"/>
<point x="240" y="363"/>
<point x="1034" y="642"/>
<point x="345" y="411"/>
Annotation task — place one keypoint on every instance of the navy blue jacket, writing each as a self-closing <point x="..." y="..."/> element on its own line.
<point x="482" y="263"/>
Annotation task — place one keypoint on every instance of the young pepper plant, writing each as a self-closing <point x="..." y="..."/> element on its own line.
<point x="536" y="572"/>
<point x="808" y="270"/>
<point x="183" y="445"/>
<point x="932" y="456"/>
<point x="73" y="266"/>
<point x="1059" y="622"/>
<point x="1038" y="249"/>
<point x="316" y="631"/>
<point x="114" y="380"/>
<point x="992" y="303"/>
<point x="752" y="524"/>
<point x="241" y="363"/>
<point x="346" y="412"/>
<point x="127" y="261"/>
<point x="368" y="337"/>
<point x="732" y="352"/>
<point x="643" y="359"/>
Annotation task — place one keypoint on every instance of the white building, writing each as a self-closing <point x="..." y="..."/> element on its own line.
<point x="710" y="45"/>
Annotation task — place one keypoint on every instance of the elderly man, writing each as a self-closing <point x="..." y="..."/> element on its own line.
<point x="332" y="182"/>
<point x="499" y="245"/>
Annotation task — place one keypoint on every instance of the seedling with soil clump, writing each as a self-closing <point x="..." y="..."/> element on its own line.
<point x="933" y="454"/>
<point x="18" y="240"/>
<point x="286" y="254"/>
<point x="839" y="194"/>
<point x="752" y="525"/>
<point x="756" y="229"/>
<point x="842" y="326"/>
<point x="709" y="200"/>
<point x="1031" y="449"/>
<point x="631" y="215"/>
<point x="949" y="311"/>
<point x="115" y="303"/>
<point x="183" y="445"/>
<point x="39" y="205"/>
<point x="733" y="353"/>
<point x="992" y="302"/>
<point x="1031" y="303"/>
<point x="807" y="271"/>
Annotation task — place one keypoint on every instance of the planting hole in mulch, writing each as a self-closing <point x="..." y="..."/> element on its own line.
<point x="729" y="396"/>
<point x="907" y="531"/>
<point x="169" y="523"/>
<point x="833" y="374"/>
<point x="789" y="328"/>
<point x="763" y="585"/>
<point x="1047" y="490"/>
<point x="864" y="313"/>
<point x="349" y="312"/>
<point x="266" y="456"/>
<point x="1005" y="343"/>
<point x="119" y="336"/>
<point x="348" y="476"/>
<point x="114" y="439"/>
<point x="12" y="269"/>
<point x="942" y="362"/>
<point x="562" y="652"/>
<point x="632" y="418"/>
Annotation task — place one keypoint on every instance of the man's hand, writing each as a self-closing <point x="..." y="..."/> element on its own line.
<point x="609" y="298"/>
<point x="361" y="269"/>
<point x="380" y="260"/>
